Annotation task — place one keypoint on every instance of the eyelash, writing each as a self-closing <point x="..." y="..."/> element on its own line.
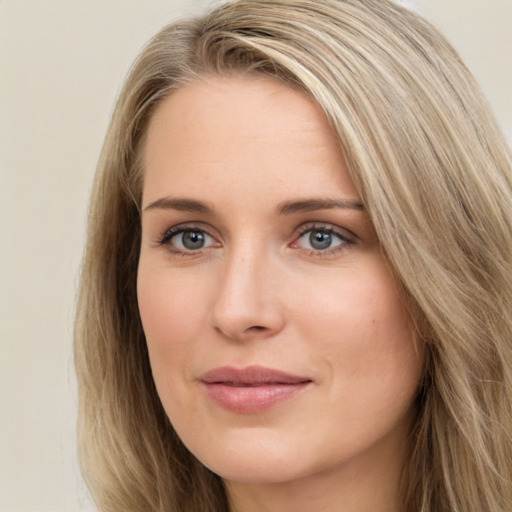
<point x="181" y="229"/>
<point x="345" y="240"/>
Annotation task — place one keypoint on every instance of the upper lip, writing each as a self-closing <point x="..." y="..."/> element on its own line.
<point x="251" y="376"/>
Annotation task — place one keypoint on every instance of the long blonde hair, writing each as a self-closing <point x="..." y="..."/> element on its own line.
<point x="434" y="173"/>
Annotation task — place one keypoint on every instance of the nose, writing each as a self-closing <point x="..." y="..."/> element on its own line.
<point x="247" y="303"/>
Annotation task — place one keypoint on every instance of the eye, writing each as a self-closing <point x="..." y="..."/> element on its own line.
<point x="183" y="239"/>
<point x="321" y="239"/>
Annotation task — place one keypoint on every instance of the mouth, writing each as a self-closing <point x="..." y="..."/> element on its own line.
<point x="252" y="389"/>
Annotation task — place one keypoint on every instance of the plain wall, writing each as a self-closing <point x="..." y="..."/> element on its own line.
<point x="61" y="67"/>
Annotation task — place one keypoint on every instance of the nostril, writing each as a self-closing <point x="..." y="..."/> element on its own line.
<point x="256" y="328"/>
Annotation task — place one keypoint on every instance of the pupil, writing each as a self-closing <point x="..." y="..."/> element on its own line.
<point x="320" y="239"/>
<point x="193" y="239"/>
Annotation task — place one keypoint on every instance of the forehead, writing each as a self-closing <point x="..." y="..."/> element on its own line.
<point x="242" y="131"/>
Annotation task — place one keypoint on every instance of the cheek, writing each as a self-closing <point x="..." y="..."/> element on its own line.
<point x="385" y="362"/>
<point x="361" y="306"/>
<point x="364" y="334"/>
<point x="172" y="314"/>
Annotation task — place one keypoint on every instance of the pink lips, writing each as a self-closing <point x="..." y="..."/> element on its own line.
<point x="251" y="389"/>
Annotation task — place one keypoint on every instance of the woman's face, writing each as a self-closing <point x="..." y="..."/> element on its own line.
<point x="279" y="345"/>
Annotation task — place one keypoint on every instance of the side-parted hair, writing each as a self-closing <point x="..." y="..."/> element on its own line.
<point x="434" y="173"/>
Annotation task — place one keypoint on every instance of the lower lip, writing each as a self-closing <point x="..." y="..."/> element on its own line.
<point x="252" y="399"/>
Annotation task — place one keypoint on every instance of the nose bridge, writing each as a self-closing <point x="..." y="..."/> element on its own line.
<point x="246" y="303"/>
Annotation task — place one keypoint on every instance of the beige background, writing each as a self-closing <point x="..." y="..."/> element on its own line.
<point x="61" y="66"/>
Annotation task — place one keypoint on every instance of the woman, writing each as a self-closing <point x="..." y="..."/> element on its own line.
<point x="297" y="286"/>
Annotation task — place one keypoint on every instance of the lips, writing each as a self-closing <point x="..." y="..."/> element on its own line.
<point x="252" y="389"/>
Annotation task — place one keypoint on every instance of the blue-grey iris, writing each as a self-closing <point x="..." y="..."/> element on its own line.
<point x="320" y="240"/>
<point x="193" y="240"/>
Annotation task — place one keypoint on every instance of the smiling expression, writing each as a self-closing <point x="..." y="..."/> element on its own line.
<point x="278" y="341"/>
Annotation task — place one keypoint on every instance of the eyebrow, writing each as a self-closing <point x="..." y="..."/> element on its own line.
<point x="284" y="208"/>
<point x="309" y="205"/>
<point x="181" y="204"/>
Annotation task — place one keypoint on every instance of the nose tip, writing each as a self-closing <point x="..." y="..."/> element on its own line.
<point x="247" y="303"/>
<point x="242" y="321"/>
<point x="242" y="333"/>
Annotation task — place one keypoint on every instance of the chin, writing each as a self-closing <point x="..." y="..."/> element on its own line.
<point x="268" y="471"/>
<point x="253" y="459"/>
